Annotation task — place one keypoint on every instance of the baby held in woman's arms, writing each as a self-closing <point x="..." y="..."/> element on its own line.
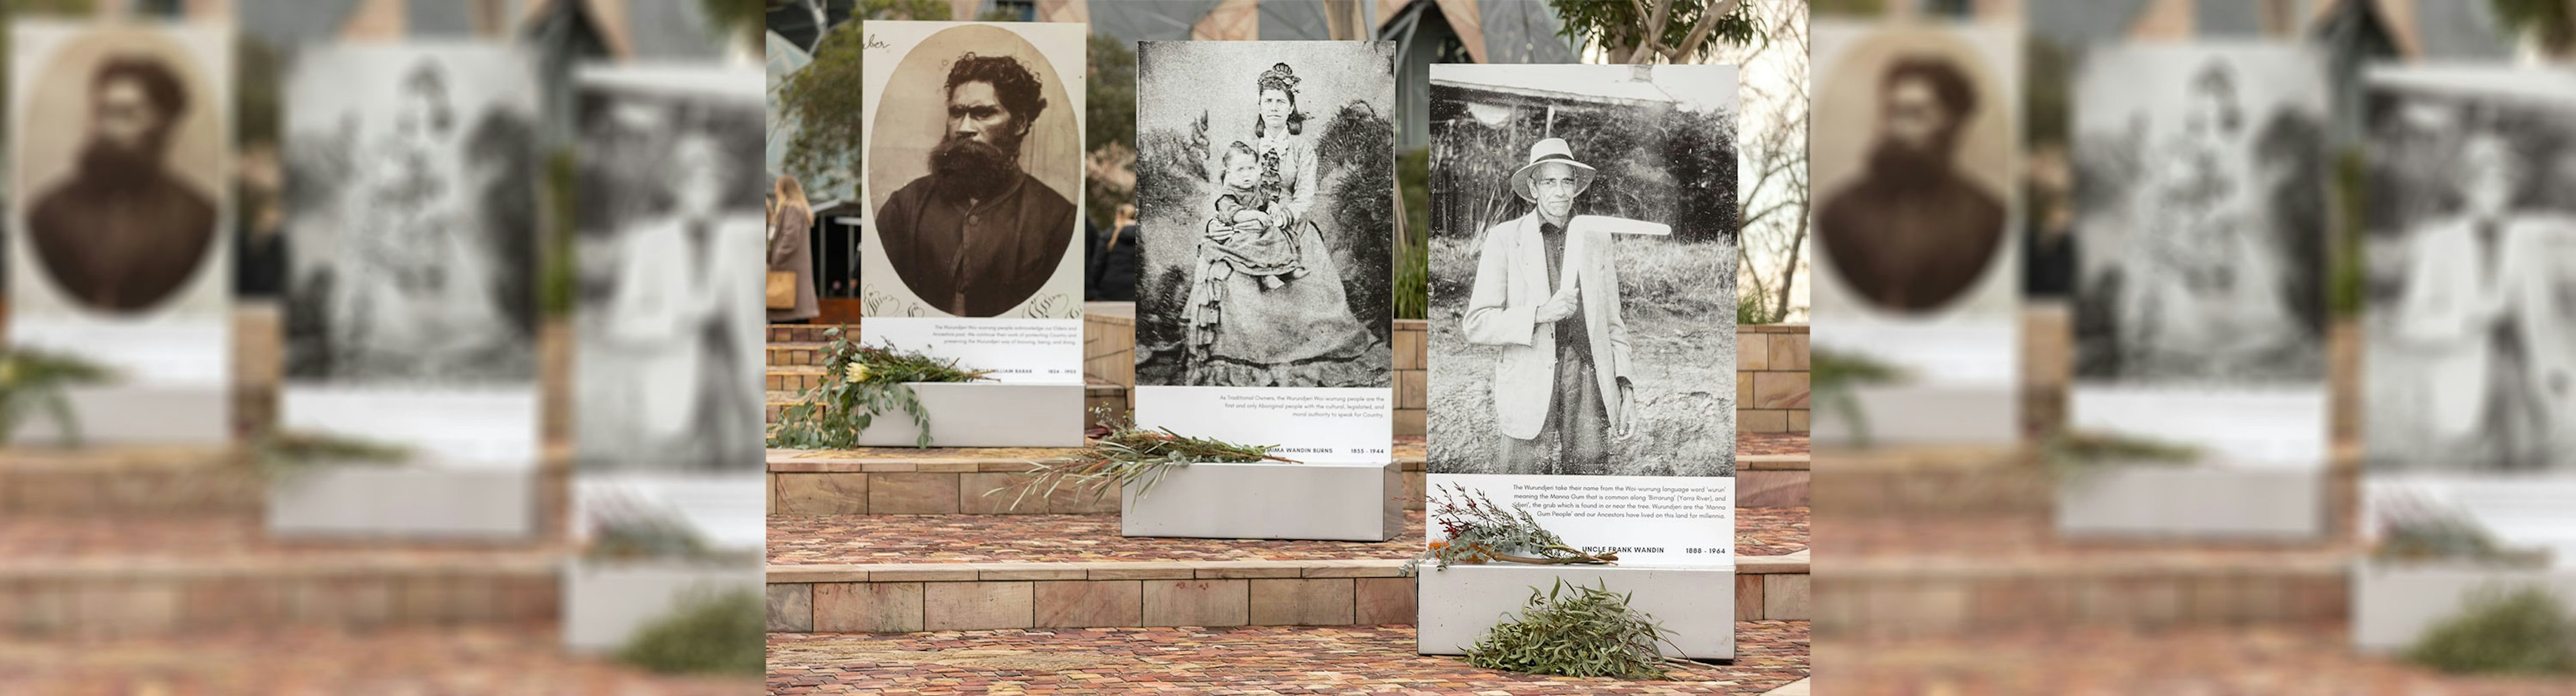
<point x="1247" y="231"/>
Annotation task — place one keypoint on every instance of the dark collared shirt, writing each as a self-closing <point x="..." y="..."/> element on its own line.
<point x="1573" y="338"/>
<point x="122" y="245"/>
<point x="976" y="258"/>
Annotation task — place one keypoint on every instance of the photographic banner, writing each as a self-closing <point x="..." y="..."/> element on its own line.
<point x="1920" y="270"/>
<point x="971" y="245"/>
<point x="121" y="246"/>
<point x="1583" y="280"/>
<point x="668" y="310"/>
<point x="2469" y="327"/>
<point x="411" y="313"/>
<point x="2200" y="307"/>
<point x="1265" y="190"/>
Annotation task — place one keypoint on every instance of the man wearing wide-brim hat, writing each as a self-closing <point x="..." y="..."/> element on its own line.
<point x="1550" y="298"/>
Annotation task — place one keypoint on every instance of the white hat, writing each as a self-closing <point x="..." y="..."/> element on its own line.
<point x="1550" y="150"/>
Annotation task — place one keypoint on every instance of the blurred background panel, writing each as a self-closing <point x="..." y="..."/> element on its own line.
<point x="152" y="570"/>
<point x="1941" y="570"/>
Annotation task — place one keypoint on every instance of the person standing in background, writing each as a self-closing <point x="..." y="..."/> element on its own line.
<point x="1112" y="275"/>
<point x="791" y="251"/>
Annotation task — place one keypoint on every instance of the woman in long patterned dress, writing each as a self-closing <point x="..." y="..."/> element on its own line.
<point x="1269" y="328"/>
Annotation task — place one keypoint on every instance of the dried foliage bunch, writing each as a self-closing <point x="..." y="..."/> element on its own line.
<point x="2525" y="630"/>
<point x="1834" y="377"/>
<point x="2413" y="530"/>
<point x="2070" y="453"/>
<point x="1576" y="631"/>
<point x="283" y="456"/>
<point x="1475" y="529"/>
<point x="31" y="380"/>
<point x="708" y="634"/>
<point x="1127" y="455"/>
<point x="860" y="382"/>
<point x="625" y="528"/>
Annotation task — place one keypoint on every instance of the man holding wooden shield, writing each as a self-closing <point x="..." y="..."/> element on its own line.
<point x="1547" y="291"/>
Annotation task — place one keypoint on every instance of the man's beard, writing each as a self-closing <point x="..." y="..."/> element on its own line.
<point x="964" y="167"/>
<point x="1908" y="166"/>
<point x="105" y="163"/>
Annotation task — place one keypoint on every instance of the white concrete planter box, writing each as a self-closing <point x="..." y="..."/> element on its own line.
<point x="135" y="415"/>
<point x="2199" y="502"/>
<point x="986" y="414"/>
<point x="606" y="602"/>
<point x="1270" y="500"/>
<point x="2394" y="604"/>
<point x="1460" y="604"/>
<point x="1921" y="415"/>
<point x="407" y="502"/>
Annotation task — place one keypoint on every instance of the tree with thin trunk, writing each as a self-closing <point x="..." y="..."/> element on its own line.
<point x="823" y="100"/>
<point x="1672" y="31"/>
<point x="2549" y="23"/>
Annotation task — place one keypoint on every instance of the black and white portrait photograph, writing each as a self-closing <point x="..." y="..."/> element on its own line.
<point x="1583" y="270"/>
<point x="1265" y="186"/>
<point x="974" y="170"/>
<point x="2470" y="257"/>
<point x="121" y="137"/>
<point x="412" y="215"/>
<point x="669" y="249"/>
<point x="2201" y="216"/>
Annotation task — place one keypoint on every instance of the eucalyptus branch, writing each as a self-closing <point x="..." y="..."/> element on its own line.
<point x="1475" y="530"/>
<point x="1128" y="455"/>
<point x="861" y="382"/>
<point x="34" y="379"/>
<point x="282" y="457"/>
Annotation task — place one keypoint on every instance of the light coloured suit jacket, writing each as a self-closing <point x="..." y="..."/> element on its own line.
<point x="1511" y="282"/>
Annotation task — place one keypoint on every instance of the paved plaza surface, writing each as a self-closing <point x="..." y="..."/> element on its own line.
<point x="2247" y="661"/>
<point x="484" y="661"/>
<point x="1222" y="661"/>
<point x="853" y="539"/>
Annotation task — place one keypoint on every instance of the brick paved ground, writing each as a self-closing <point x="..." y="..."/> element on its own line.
<point x="481" y="662"/>
<point x="1263" y="660"/>
<point x="1034" y="538"/>
<point x="2266" y="661"/>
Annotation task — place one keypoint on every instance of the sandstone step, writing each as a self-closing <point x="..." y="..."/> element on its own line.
<point x="112" y="577"/>
<point x="909" y="597"/>
<point x="808" y="333"/>
<point x="1021" y="571"/>
<point x="1976" y="575"/>
<point x="1931" y="481"/>
<point x="796" y="353"/>
<point x="1772" y="471"/>
<point x="122" y="481"/>
<point x="794" y="379"/>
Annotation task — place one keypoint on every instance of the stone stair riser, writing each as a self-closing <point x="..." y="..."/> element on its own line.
<point x="960" y="597"/>
<point x="181" y="601"/>
<point x="796" y="355"/>
<point x="950" y="489"/>
<point x="1901" y="605"/>
<point x="166" y="493"/>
